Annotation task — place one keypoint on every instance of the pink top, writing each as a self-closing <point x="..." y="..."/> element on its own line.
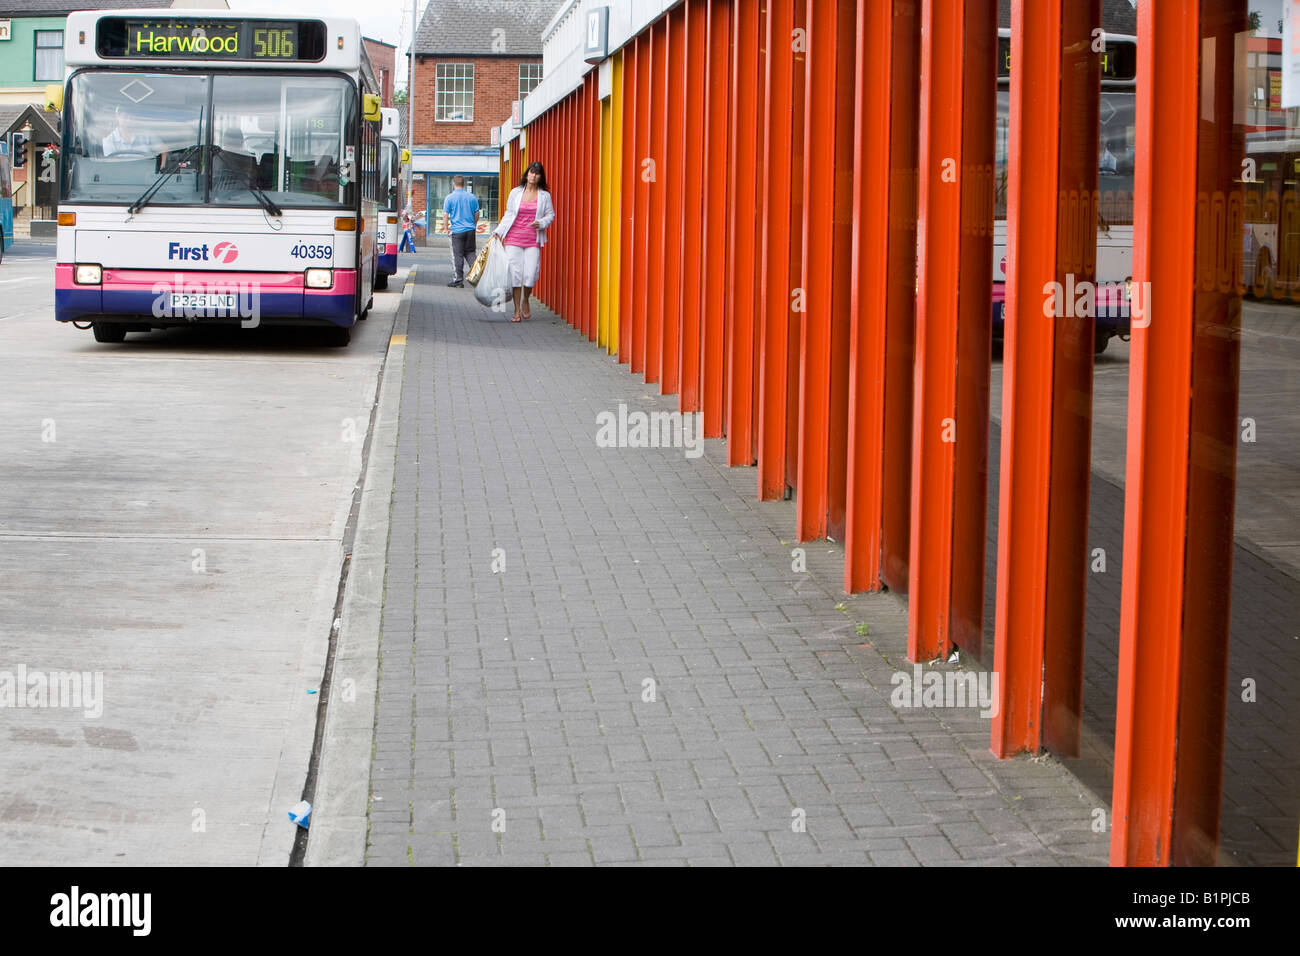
<point x="521" y="231"/>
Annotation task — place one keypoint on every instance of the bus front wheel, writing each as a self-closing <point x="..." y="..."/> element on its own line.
<point x="108" y="331"/>
<point x="381" y="281"/>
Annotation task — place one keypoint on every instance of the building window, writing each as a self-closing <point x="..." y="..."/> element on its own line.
<point x="454" y="97"/>
<point x="530" y="74"/>
<point x="49" y="55"/>
<point x="483" y="187"/>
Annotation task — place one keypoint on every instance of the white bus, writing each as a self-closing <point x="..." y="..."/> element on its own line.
<point x="216" y="167"/>
<point x="1114" y="200"/>
<point x="390" y="209"/>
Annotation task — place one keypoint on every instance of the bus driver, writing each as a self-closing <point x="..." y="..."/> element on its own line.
<point x="128" y="138"/>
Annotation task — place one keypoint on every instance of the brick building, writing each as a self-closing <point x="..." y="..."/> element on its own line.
<point x="473" y="59"/>
<point x="383" y="59"/>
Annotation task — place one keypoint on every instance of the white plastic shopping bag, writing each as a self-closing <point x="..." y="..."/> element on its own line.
<point x="494" y="286"/>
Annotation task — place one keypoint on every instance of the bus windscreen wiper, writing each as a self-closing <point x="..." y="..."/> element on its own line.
<point x="249" y="179"/>
<point x="173" y="167"/>
<point x="271" y="208"/>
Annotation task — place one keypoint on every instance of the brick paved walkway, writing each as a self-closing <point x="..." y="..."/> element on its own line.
<point x="518" y="698"/>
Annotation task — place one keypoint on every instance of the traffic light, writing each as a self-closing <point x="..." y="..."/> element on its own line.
<point x="19" y="151"/>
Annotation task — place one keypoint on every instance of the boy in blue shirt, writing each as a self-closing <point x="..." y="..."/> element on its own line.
<point x="462" y="216"/>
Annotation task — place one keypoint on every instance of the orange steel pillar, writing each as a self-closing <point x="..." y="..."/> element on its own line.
<point x="1182" y="436"/>
<point x="794" y="328"/>
<point x="659" y="187"/>
<point x="743" y="252"/>
<point x="587" y="250"/>
<point x="1047" y="377"/>
<point x="578" y="181"/>
<point x="694" y="240"/>
<point x="555" y="153"/>
<point x="572" y="237"/>
<point x="559" y="163"/>
<point x="974" y="327"/>
<point x="537" y="132"/>
<point x="591" y="149"/>
<point x="627" y="264"/>
<point x="882" y="294"/>
<point x="778" y="283"/>
<point x="827" y="249"/>
<point x="593" y="204"/>
<point x="837" y="420"/>
<point x="717" y="196"/>
<point x="760" y="176"/>
<point x="640" y="154"/>
<point x="674" y="181"/>
<point x="572" y="267"/>
<point x="950" y="417"/>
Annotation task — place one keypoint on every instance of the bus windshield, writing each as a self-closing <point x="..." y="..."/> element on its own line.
<point x="1115" y="160"/>
<point x="212" y="139"/>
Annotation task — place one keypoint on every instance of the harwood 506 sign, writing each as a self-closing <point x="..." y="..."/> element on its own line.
<point x="260" y="40"/>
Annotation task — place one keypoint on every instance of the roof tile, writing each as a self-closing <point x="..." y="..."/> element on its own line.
<point x="484" y="27"/>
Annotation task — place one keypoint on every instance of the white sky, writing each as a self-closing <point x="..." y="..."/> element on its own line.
<point x="387" y="20"/>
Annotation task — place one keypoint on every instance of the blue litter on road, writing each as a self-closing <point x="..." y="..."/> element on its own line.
<point x="300" y="813"/>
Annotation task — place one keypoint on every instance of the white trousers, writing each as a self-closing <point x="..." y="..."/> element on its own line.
<point x="525" y="261"/>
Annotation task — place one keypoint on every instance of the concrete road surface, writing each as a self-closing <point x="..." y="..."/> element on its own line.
<point x="172" y="515"/>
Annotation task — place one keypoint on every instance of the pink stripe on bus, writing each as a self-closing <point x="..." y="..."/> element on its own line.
<point x="135" y="280"/>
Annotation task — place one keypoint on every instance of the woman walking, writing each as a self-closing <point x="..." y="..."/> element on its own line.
<point x="523" y="232"/>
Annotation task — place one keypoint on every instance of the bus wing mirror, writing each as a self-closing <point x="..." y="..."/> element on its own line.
<point x="370" y="103"/>
<point x="54" y="98"/>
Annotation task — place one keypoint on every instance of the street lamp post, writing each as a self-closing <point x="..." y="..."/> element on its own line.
<point x="410" y="116"/>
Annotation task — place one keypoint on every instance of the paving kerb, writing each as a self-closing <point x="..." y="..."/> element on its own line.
<point x="337" y="836"/>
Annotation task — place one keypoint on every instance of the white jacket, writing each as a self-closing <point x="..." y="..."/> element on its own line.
<point x="545" y="213"/>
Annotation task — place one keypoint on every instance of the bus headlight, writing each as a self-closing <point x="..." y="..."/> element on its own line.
<point x="89" y="275"/>
<point x="320" y="278"/>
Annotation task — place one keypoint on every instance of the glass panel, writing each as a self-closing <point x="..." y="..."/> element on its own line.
<point x="454" y="94"/>
<point x="1271" y="174"/>
<point x="286" y="136"/>
<point x="49" y="55"/>
<point x="121" y="130"/>
<point x="1114" y="164"/>
<point x="530" y="74"/>
<point x="1116" y="158"/>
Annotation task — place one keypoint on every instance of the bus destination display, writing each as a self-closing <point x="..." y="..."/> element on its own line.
<point x="266" y="41"/>
<point x="1118" y="59"/>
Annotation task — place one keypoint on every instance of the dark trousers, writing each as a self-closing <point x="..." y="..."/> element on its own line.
<point x="464" y="250"/>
